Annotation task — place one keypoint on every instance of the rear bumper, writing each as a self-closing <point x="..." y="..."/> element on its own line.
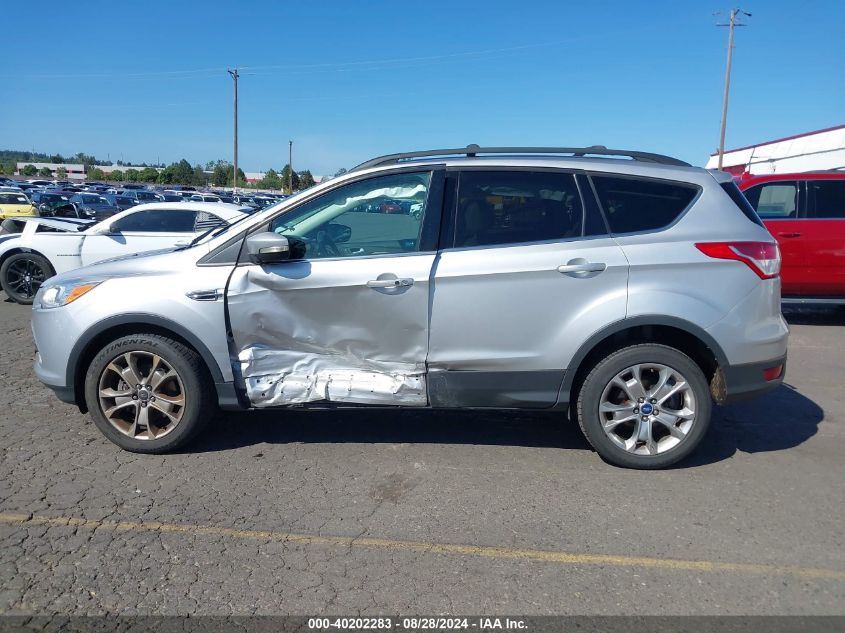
<point x="748" y="380"/>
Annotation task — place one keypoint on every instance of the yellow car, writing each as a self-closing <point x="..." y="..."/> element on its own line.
<point x="16" y="205"/>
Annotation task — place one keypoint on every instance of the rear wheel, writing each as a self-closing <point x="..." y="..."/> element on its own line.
<point x="148" y="393"/>
<point x="645" y="406"/>
<point x="22" y="275"/>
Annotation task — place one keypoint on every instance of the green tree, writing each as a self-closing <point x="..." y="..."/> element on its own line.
<point x="241" y="177"/>
<point x="116" y="175"/>
<point x="340" y="172"/>
<point x="29" y="170"/>
<point x="271" y="180"/>
<point x="286" y="182"/>
<point x="148" y="174"/>
<point x="221" y="174"/>
<point x="132" y="175"/>
<point x="306" y="180"/>
<point x="95" y="173"/>
<point x="57" y="158"/>
<point x="199" y="177"/>
<point x="183" y="173"/>
<point x="45" y="172"/>
<point x="61" y="173"/>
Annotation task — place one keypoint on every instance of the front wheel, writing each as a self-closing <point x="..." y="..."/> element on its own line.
<point x="148" y="393"/>
<point x="645" y="406"/>
<point x="22" y="275"/>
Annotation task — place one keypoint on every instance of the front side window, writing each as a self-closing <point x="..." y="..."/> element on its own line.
<point x="513" y="207"/>
<point x="828" y="198"/>
<point x="774" y="200"/>
<point x="377" y="216"/>
<point x="157" y="221"/>
<point x="634" y="204"/>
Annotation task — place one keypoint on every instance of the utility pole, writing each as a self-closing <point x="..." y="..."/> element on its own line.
<point x="290" y="166"/>
<point x="731" y="25"/>
<point x="235" y="76"/>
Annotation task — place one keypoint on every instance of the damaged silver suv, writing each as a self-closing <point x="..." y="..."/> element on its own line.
<point x="626" y="290"/>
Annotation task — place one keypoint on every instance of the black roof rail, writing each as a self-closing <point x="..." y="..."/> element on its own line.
<point x="474" y="150"/>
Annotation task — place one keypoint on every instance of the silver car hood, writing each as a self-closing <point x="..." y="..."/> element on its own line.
<point x="158" y="262"/>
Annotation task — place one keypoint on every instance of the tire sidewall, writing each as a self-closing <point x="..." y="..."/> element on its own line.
<point x="179" y="358"/>
<point x="591" y="392"/>
<point x="39" y="260"/>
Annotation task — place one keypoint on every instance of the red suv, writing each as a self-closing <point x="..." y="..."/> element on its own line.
<point x="806" y="215"/>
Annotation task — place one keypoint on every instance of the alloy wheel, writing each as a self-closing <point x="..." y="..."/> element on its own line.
<point x="24" y="277"/>
<point x="647" y="409"/>
<point x="141" y="395"/>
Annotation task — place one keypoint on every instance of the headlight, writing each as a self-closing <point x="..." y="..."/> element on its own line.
<point x="63" y="294"/>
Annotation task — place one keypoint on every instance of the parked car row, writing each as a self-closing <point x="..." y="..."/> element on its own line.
<point x="40" y="248"/>
<point x="63" y="199"/>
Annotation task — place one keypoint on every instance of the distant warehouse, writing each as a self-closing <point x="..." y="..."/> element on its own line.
<point x="821" y="150"/>
<point x="72" y="171"/>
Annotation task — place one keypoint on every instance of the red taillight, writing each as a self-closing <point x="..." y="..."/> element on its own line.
<point x="761" y="257"/>
<point x="772" y="373"/>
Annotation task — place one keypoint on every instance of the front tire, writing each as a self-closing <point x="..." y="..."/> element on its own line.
<point x="645" y="406"/>
<point x="148" y="393"/>
<point x="22" y="275"/>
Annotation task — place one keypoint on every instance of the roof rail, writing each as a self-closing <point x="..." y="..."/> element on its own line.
<point x="474" y="150"/>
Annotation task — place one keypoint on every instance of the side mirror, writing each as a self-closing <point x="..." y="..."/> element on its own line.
<point x="269" y="248"/>
<point x="114" y="229"/>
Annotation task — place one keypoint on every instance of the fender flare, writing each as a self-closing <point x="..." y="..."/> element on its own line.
<point x="642" y="320"/>
<point x="141" y="319"/>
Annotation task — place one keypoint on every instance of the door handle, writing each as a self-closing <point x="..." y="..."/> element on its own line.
<point x="390" y="283"/>
<point x="789" y="235"/>
<point x="581" y="268"/>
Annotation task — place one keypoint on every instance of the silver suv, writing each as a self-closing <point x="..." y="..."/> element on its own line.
<point x="625" y="289"/>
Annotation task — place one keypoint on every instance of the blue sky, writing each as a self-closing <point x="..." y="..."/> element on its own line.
<point x="147" y="81"/>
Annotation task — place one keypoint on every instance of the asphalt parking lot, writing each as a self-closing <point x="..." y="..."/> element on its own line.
<point x="426" y="513"/>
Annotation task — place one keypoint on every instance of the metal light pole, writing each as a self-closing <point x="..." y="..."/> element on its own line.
<point x="290" y="166"/>
<point x="731" y="25"/>
<point x="235" y="76"/>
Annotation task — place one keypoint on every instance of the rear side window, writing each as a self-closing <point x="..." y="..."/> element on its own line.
<point x="828" y="198"/>
<point x="513" y="207"/>
<point x="741" y="201"/>
<point x="774" y="200"/>
<point x="639" y="204"/>
<point x="157" y="221"/>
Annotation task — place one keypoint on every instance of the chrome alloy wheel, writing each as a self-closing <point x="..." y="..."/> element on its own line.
<point x="141" y="395"/>
<point x="647" y="409"/>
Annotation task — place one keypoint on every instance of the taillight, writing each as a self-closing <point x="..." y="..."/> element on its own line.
<point x="761" y="257"/>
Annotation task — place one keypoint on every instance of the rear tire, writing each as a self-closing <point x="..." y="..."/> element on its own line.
<point x="22" y="275"/>
<point x="645" y="406"/>
<point x="148" y="393"/>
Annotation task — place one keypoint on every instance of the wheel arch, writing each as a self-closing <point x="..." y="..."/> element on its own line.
<point x="99" y="335"/>
<point x="24" y="249"/>
<point x="684" y="336"/>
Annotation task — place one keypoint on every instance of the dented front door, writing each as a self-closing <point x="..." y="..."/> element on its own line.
<point x="349" y="323"/>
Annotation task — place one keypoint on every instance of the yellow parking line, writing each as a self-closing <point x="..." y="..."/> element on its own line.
<point x="545" y="556"/>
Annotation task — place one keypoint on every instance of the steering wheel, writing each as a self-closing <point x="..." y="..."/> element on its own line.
<point x="326" y="246"/>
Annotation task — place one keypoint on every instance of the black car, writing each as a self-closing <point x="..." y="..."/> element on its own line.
<point x="121" y="202"/>
<point x="48" y="202"/>
<point x="91" y="205"/>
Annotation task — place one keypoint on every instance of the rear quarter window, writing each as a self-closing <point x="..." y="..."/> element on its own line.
<point x="633" y="204"/>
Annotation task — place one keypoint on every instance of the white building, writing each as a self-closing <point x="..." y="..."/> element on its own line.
<point x="72" y="170"/>
<point x="821" y="150"/>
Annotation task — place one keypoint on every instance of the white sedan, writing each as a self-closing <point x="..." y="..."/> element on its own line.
<point x="46" y="247"/>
